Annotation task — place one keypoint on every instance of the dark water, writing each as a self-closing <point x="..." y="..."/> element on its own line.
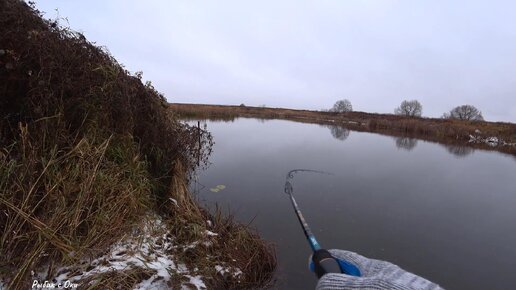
<point x="445" y="213"/>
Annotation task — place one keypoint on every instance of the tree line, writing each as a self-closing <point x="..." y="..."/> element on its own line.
<point x="413" y="108"/>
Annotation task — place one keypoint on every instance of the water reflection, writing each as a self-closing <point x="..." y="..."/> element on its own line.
<point x="459" y="151"/>
<point x="406" y="143"/>
<point x="339" y="132"/>
<point x="419" y="193"/>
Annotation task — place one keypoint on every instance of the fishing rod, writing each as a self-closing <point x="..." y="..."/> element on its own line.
<point x="322" y="261"/>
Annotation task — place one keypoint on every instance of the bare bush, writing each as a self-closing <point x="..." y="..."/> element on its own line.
<point x="464" y="112"/>
<point x="342" y="106"/>
<point x="409" y="108"/>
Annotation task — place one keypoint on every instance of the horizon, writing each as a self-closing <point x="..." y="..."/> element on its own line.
<point x="305" y="55"/>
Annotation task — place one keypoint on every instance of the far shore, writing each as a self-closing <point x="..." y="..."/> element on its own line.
<point x="498" y="136"/>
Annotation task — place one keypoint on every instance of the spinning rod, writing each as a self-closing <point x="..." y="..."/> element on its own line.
<point x="322" y="261"/>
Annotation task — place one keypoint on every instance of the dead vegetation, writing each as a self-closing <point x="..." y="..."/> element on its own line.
<point x="85" y="151"/>
<point x="218" y="241"/>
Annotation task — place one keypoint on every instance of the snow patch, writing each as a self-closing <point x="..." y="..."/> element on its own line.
<point x="235" y="272"/>
<point x="491" y="141"/>
<point x="196" y="281"/>
<point x="210" y="233"/>
<point x="152" y="252"/>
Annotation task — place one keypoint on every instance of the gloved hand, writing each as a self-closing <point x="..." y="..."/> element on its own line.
<point x="376" y="275"/>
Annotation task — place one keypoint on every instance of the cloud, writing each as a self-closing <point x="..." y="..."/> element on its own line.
<point x="309" y="54"/>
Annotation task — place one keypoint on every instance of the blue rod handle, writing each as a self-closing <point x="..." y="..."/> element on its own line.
<point x="323" y="263"/>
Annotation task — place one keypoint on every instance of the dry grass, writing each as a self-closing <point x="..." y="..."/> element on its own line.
<point x="63" y="204"/>
<point x="235" y="246"/>
<point x="112" y="280"/>
<point x="85" y="150"/>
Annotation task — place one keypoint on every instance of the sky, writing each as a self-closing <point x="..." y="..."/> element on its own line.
<point x="309" y="54"/>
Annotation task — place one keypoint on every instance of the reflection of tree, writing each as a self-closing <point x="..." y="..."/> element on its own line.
<point x="459" y="151"/>
<point x="339" y="132"/>
<point x="406" y="143"/>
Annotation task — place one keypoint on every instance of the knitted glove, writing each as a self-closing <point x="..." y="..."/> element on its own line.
<point x="376" y="275"/>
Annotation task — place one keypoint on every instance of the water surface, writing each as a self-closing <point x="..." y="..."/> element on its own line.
<point x="445" y="213"/>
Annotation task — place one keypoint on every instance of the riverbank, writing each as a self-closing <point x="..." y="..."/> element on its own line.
<point x="94" y="173"/>
<point x="497" y="136"/>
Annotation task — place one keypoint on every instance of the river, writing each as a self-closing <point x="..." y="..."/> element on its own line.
<point x="446" y="213"/>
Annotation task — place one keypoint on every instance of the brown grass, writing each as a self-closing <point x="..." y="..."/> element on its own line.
<point x="67" y="203"/>
<point x="236" y="246"/>
<point x="85" y="150"/>
<point x="112" y="280"/>
<point x="445" y="131"/>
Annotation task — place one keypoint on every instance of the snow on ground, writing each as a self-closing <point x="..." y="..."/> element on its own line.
<point x="148" y="248"/>
<point x="210" y="233"/>
<point x="491" y="141"/>
<point x="235" y="272"/>
<point x="196" y="281"/>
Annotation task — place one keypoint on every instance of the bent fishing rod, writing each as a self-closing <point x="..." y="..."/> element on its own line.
<point x="322" y="261"/>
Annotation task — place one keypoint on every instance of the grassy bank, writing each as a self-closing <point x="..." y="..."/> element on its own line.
<point x="87" y="151"/>
<point x="446" y="131"/>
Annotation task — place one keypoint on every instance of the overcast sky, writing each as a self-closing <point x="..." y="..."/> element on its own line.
<point x="309" y="54"/>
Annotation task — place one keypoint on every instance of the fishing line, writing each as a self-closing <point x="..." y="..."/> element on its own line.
<point x="322" y="260"/>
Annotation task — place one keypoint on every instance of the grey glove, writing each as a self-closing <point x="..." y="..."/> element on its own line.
<point x="376" y="275"/>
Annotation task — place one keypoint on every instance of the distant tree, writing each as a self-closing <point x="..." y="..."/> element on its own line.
<point x="464" y="112"/>
<point x="342" y="106"/>
<point x="409" y="108"/>
<point x="446" y="115"/>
